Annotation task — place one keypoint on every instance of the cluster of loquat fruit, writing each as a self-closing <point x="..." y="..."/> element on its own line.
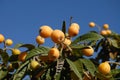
<point x="15" y="51"/>
<point x="60" y="38"/>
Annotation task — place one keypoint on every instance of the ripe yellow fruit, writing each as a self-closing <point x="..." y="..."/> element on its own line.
<point x="103" y="32"/>
<point x="92" y="24"/>
<point x="53" y="54"/>
<point x="45" y="31"/>
<point x="1" y="38"/>
<point x="8" y="42"/>
<point x="108" y="32"/>
<point x="16" y="51"/>
<point x="88" y="51"/>
<point x="104" y="68"/>
<point x="22" y="56"/>
<point x="73" y="30"/>
<point x="34" y="65"/>
<point x="57" y="36"/>
<point x="40" y="40"/>
<point x="105" y="26"/>
<point x="75" y="25"/>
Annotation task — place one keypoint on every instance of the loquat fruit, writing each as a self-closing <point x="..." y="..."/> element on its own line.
<point x="8" y="42"/>
<point x="75" y="25"/>
<point x="45" y="31"/>
<point x="104" y="68"/>
<point x="88" y="51"/>
<point x="105" y="26"/>
<point x="57" y="36"/>
<point x="92" y="24"/>
<point x="73" y="30"/>
<point x="34" y="65"/>
<point x="53" y="54"/>
<point x="108" y="32"/>
<point x="1" y="38"/>
<point x="103" y="32"/>
<point x="22" y="56"/>
<point x="40" y="40"/>
<point x="16" y="51"/>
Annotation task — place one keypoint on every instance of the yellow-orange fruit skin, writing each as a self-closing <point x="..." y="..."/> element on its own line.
<point x="34" y="65"/>
<point x="73" y="30"/>
<point x="75" y="25"/>
<point x="103" y="32"/>
<point x="57" y="36"/>
<point x="105" y="26"/>
<point x="8" y="42"/>
<point x="104" y="68"/>
<point x="108" y="32"/>
<point x="1" y="38"/>
<point x="40" y="40"/>
<point x="88" y="51"/>
<point x="92" y="24"/>
<point x="45" y="31"/>
<point x="53" y="54"/>
<point x="16" y="51"/>
<point x="22" y="56"/>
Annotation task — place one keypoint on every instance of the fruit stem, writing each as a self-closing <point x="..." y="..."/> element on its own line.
<point x="99" y="28"/>
<point x="86" y="74"/>
<point x="111" y="62"/>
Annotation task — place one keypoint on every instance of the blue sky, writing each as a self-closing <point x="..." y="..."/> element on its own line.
<point x="20" y="19"/>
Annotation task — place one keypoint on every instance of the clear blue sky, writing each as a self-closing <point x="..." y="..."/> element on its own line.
<point x="20" y="19"/>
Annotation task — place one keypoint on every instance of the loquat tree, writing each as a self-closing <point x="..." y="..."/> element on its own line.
<point x="95" y="55"/>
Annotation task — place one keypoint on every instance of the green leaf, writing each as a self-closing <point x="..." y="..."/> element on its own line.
<point x="90" y="36"/>
<point x="3" y="73"/>
<point x="114" y="43"/>
<point x="28" y="46"/>
<point x="89" y="66"/>
<point x="64" y="27"/>
<point x="21" y="71"/>
<point x="74" y="68"/>
<point x="115" y="71"/>
<point x="37" y="51"/>
<point x="79" y="65"/>
<point x="4" y="56"/>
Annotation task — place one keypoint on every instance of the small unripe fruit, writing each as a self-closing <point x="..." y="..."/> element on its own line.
<point x="16" y="51"/>
<point x="10" y="67"/>
<point x="108" y="32"/>
<point x="92" y="24"/>
<point x="104" y="68"/>
<point x="40" y="40"/>
<point x="8" y="42"/>
<point x="103" y="32"/>
<point x="88" y="51"/>
<point x="67" y="41"/>
<point x="22" y="56"/>
<point x="34" y="65"/>
<point x="105" y="26"/>
<point x="53" y="54"/>
<point x="1" y="38"/>
<point x="73" y="30"/>
<point x="57" y="36"/>
<point x="45" y="31"/>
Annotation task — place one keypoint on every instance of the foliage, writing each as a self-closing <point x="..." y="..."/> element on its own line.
<point x="72" y="63"/>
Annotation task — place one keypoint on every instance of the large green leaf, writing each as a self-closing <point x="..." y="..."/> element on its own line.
<point x="37" y="51"/>
<point x="115" y="71"/>
<point x="28" y="46"/>
<point x="74" y="69"/>
<point x="90" y="36"/>
<point x="79" y="65"/>
<point x="89" y="66"/>
<point x="21" y="71"/>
